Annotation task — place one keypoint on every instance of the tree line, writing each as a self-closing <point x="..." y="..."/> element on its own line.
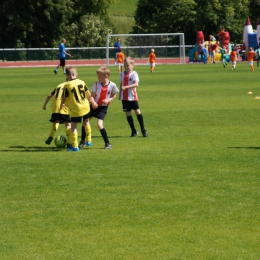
<point x="85" y="23"/>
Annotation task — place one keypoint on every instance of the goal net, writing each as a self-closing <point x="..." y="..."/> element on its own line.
<point x="169" y="47"/>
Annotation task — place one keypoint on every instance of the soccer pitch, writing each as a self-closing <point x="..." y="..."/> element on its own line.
<point x="188" y="191"/>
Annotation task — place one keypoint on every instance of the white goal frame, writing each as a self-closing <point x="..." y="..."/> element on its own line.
<point x="181" y="46"/>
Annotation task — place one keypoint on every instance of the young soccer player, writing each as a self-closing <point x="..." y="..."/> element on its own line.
<point x="103" y="92"/>
<point x="76" y="97"/>
<point x="129" y="81"/>
<point x="120" y="60"/>
<point x="151" y="60"/>
<point x="223" y="53"/>
<point x="58" y="116"/>
<point x="233" y="58"/>
<point x="250" y="58"/>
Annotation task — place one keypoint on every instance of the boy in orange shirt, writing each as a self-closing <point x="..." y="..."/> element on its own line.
<point x="250" y="57"/>
<point x="233" y="58"/>
<point x="151" y="59"/>
<point x="120" y="60"/>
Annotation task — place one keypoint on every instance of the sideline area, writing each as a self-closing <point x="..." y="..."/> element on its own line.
<point x="54" y="63"/>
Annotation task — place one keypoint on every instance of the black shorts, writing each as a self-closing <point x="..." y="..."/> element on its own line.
<point x="62" y="62"/>
<point x="60" y="117"/>
<point x="129" y="105"/>
<point x="99" y="112"/>
<point x="79" y="118"/>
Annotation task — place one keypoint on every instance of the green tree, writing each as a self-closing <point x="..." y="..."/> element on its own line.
<point x="34" y="23"/>
<point x="254" y="7"/>
<point x="96" y="7"/>
<point x="41" y="23"/>
<point x="189" y="16"/>
<point x="90" y="31"/>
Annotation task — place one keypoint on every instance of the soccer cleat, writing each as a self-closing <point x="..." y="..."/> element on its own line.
<point x="145" y="134"/>
<point x="81" y="144"/>
<point x="88" y="144"/>
<point x="72" y="149"/>
<point x="48" y="141"/>
<point x="134" y="134"/>
<point x="69" y="145"/>
<point x="55" y="71"/>
<point x="108" y="146"/>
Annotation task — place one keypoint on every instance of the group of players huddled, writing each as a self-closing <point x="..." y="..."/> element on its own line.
<point x="73" y="103"/>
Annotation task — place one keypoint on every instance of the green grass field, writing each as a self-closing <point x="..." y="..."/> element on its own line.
<point x="188" y="191"/>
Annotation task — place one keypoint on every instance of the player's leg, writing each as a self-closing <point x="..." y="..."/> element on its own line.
<point x="83" y="137"/>
<point x="54" y="128"/>
<point x="131" y="124"/>
<point x="56" y="70"/>
<point x="88" y="130"/>
<point x="141" y="122"/>
<point x="74" y="135"/>
<point x="68" y="133"/>
<point x="103" y="133"/>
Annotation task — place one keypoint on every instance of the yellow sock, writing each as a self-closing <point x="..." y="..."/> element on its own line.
<point x="54" y="128"/>
<point x="74" y="139"/>
<point x="88" y="132"/>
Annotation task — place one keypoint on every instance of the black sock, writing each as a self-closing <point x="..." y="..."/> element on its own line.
<point x="83" y="133"/>
<point x="131" y="123"/>
<point x="104" y="135"/>
<point x="141" y="121"/>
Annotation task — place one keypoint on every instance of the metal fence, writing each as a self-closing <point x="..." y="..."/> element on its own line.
<point x="84" y="53"/>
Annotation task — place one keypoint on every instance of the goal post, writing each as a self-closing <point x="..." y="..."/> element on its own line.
<point x="169" y="47"/>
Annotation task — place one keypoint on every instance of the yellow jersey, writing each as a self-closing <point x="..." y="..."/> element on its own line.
<point x="57" y="95"/>
<point x="76" y="97"/>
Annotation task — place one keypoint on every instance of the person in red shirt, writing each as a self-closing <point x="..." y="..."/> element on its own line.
<point x="212" y="49"/>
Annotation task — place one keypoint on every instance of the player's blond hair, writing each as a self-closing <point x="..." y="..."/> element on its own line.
<point x="71" y="71"/>
<point x="152" y="50"/>
<point x="130" y="60"/>
<point x="104" y="70"/>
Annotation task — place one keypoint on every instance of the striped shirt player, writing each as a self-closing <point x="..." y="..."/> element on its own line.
<point x="76" y="98"/>
<point x="102" y="93"/>
<point x="58" y="116"/>
<point x="129" y="81"/>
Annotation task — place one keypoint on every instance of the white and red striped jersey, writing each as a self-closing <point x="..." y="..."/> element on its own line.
<point x="103" y="92"/>
<point x="126" y="79"/>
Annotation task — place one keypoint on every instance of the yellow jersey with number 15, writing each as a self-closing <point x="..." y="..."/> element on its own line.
<point x="76" y="97"/>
